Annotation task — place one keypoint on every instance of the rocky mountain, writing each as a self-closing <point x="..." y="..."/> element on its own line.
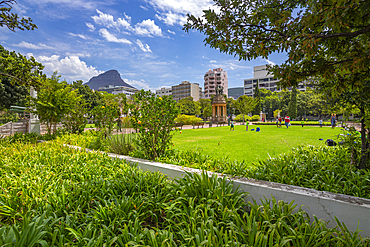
<point x="111" y="77"/>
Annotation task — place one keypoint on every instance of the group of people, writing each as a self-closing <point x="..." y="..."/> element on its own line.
<point x="232" y="124"/>
<point x="286" y="121"/>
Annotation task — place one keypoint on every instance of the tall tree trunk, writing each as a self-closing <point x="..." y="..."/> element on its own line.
<point x="364" y="146"/>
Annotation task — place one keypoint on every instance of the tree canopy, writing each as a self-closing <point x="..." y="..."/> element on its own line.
<point x="18" y="68"/>
<point x="326" y="42"/>
<point x="11" y="20"/>
<point x="320" y="37"/>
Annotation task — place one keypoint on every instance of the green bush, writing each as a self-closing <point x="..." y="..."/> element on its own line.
<point x="239" y="118"/>
<point x="153" y="118"/>
<point x="188" y="119"/>
<point x="255" y="118"/>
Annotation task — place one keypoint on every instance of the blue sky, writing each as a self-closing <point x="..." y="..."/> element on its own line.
<point x="143" y="40"/>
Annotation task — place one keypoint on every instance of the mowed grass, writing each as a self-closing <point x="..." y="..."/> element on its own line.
<point x="251" y="146"/>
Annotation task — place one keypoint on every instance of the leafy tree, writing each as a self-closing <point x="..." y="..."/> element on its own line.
<point x="54" y="100"/>
<point x="19" y="69"/>
<point x="76" y="120"/>
<point x="104" y="117"/>
<point x="12" y="94"/>
<point x="205" y="108"/>
<point x="324" y="39"/>
<point x="92" y="98"/>
<point x="292" y="107"/>
<point x="15" y="66"/>
<point x="257" y="97"/>
<point x="189" y="107"/>
<point x="153" y="118"/>
<point x="11" y="20"/>
<point x="246" y="104"/>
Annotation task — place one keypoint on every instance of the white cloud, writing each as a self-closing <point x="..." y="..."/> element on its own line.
<point x="27" y="45"/>
<point x="172" y="18"/>
<point x="228" y="64"/>
<point x="108" y="21"/>
<point x="174" y="12"/>
<point x="80" y="4"/>
<point x="90" y="26"/>
<point x="138" y="84"/>
<point x="70" y="67"/>
<point x="172" y="32"/>
<point x="143" y="47"/>
<point x="111" y="38"/>
<point x="78" y="54"/>
<point x="269" y="62"/>
<point x="148" y="28"/>
<point x="78" y="35"/>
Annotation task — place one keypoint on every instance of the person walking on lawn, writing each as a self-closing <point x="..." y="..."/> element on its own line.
<point x="287" y="121"/>
<point x="232" y="125"/>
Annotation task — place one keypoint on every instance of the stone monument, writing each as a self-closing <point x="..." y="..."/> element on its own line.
<point x="34" y="123"/>
<point x="219" y="113"/>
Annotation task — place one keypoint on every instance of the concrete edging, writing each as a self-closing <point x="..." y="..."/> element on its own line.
<point x="353" y="211"/>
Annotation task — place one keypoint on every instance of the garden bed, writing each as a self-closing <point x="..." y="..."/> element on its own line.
<point x="55" y="196"/>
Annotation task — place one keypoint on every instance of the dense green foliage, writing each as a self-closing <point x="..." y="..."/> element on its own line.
<point x="327" y="45"/>
<point x="292" y="107"/>
<point x="246" y="105"/>
<point x="104" y="117"/>
<point x="188" y="119"/>
<point x="189" y="107"/>
<point x="12" y="94"/>
<point x="54" y="100"/>
<point x="153" y="118"/>
<point x="74" y="198"/>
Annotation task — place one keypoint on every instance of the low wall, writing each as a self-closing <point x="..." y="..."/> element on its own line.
<point x="353" y="211"/>
<point x="21" y="127"/>
<point x="11" y="128"/>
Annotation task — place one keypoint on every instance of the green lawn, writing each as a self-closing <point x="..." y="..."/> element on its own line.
<point x="250" y="145"/>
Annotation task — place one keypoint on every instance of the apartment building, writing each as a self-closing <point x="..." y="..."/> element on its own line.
<point x="264" y="80"/>
<point x="186" y="89"/>
<point x="163" y="91"/>
<point x="214" y="78"/>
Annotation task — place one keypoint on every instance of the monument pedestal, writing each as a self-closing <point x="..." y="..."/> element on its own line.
<point x="34" y="126"/>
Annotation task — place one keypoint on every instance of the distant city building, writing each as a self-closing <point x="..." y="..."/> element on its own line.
<point x="264" y="80"/>
<point x="163" y="91"/>
<point x="212" y="79"/>
<point x="236" y="92"/>
<point x="128" y="91"/>
<point x="186" y="89"/>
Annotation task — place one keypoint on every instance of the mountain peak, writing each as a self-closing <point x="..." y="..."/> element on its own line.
<point x="110" y="77"/>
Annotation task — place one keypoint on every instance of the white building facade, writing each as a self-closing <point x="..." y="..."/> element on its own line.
<point x="264" y="80"/>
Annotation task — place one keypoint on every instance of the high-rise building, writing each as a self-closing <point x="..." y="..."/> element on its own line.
<point x="163" y="91"/>
<point x="214" y="78"/>
<point x="264" y="80"/>
<point x="186" y="89"/>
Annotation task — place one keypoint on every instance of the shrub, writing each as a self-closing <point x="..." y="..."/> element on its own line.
<point x="239" y="118"/>
<point x="104" y="117"/>
<point x="187" y="119"/>
<point x="153" y="118"/>
<point x="255" y="118"/>
<point x="75" y="121"/>
<point x="121" y="144"/>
